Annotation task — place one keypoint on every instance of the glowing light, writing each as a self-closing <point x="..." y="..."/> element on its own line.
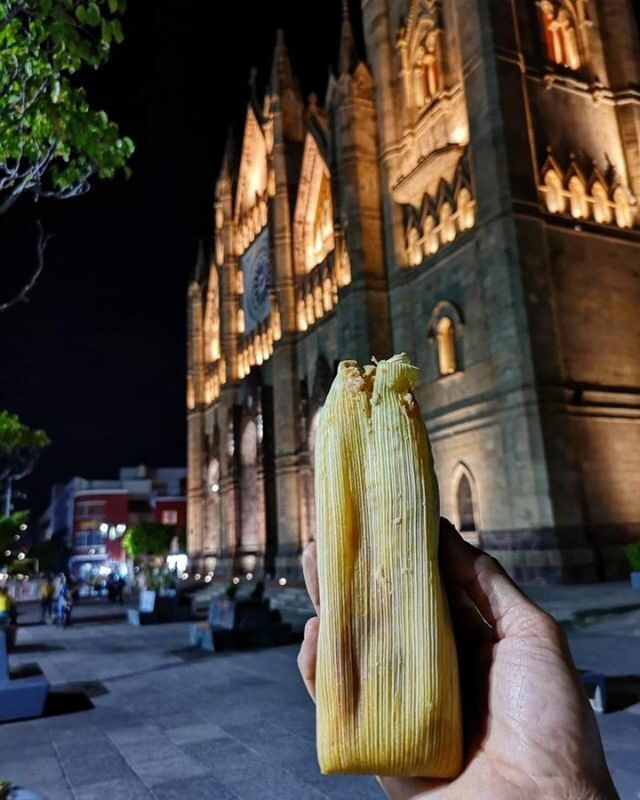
<point x="7" y="552"/>
<point x="207" y="578"/>
<point x="185" y="576"/>
<point x="120" y="528"/>
<point x="197" y="576"/>
<point x="104" y="570"/>
<point x="215" y="488"/>
<point x="177" y="562"/>
<point x="104" y="528"/>
<point x="23" y="527"/>
<point x="460" y="134"/>
<point x="282" y="581"/>
<point x="235" y="581"/>
<point x="20" y="556"/>
<point x="249" y="576"/>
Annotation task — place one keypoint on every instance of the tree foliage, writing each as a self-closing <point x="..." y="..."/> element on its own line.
<point x="51" y="554"/>
<point x="9" y="530"/>
<point x="149" y="539"/>
<point x="52" y="142"/>
<point x="20" y="447"/>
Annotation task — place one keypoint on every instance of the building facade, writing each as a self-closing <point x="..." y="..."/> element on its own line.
<point x="94" y="515"/>
<point x="468" y="196"/>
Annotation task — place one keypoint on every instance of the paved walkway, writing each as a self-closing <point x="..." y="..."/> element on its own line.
<point x="233" y="725"/>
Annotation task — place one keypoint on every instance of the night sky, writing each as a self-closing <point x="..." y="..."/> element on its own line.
<point x="97" y="357"/>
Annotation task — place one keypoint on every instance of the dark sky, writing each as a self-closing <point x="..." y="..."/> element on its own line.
<point x="97" y="357"/>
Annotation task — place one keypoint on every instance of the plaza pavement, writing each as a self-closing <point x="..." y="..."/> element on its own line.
<point x="239" y="726"/>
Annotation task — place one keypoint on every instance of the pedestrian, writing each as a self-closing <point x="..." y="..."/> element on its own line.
<point x="63" y="602"/>
<point x="8" y="610"/>
<point x="120" y="584"/>
<point x="47" y="593"/>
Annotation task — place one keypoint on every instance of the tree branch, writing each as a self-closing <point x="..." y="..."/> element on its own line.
<point x="22" y="296"/>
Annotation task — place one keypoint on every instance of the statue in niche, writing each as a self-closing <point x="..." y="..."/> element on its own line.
<point x="426" y="71"/>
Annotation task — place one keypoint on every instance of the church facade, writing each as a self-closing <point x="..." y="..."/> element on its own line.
<point x="467" y="196"/>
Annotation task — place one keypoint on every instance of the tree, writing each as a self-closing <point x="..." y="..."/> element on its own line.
<point x="20" y="449"/>
<point x="149" y="539"/>
<point x="51" y="141"/>
<point x="11" y="528"/>
<point x="51" y="555"/>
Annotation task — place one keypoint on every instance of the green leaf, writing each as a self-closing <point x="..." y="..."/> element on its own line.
<point x="116" y="27"/>
<point x="113" y="6"/>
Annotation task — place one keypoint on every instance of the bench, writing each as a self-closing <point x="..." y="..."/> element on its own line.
<point x="153" y="608"/>
<point x="23" y="692"/>
<point x="238" y="623"/>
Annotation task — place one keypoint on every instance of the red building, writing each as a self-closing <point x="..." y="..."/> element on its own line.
<point x="95" y="514"/>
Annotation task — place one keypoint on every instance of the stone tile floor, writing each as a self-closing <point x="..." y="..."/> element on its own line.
<point x="234" y="725"/>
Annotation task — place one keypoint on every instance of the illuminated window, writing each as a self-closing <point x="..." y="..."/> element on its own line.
<point x="578" y="198"/>
<point x="464" y="502"/>
<point x="466" y="210"/>
<point x="561" y="34"/>
<point x="445" y="333"/>
<point x="601" y="207"/>
<point x="169" y="517"/>
<point x="430" y="241"/>
<point x="414" y="250"/>
<point x="554" y="193"/>
<point x="625" y="213"/>
<point x="447" y="224"/>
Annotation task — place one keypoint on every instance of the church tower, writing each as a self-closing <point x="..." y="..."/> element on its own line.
<point x="509" y="138"/>
<point x="466" y="194"/>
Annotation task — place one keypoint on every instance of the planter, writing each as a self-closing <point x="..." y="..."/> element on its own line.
<point x="635" y="580"/>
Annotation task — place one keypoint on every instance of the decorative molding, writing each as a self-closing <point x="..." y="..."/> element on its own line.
<point x="441" y="217"/>
<point x="593" y="196"/>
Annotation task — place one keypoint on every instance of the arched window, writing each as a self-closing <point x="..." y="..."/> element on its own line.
<point x="445" y="333"/>
<point x="466" y="210"/>
<point x="601" y="207"/>
<point x="554" y="193"/>
<point x="625" y="213"/>
<point x="414" y="250"/>
<point x="212" y="317"/>
<point x="560" y="27"/>
<point x="578" y="198"/>
<point x="447" y="224"/>
<point x="464" y="504"/>
<point x="430" y="242"/>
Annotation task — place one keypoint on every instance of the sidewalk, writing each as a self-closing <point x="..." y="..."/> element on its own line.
<point x="172" y="725"/>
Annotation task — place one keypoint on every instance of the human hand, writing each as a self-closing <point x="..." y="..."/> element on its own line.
<point x="529" y="729"/>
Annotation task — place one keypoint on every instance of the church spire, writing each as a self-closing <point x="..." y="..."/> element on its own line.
<point x="285" y="87"/>
<point x="281" y="73"/>
<point x="348" y="57"/>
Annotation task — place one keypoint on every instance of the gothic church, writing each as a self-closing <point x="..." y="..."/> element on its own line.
<point x="466" y="195"/>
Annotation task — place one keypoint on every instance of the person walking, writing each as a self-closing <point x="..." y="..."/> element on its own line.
<point x="47" y="593"/>
<point x="63" y="602"/>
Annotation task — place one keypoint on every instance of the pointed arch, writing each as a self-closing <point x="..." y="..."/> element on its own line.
<point x="563" y="25"/>
<point x="252" y="189"/>
<point x="464" y="501"/>
<point x="444" y="329"/>
<point x="212" y="317"/>
<point x="313" y="217"/>
<point x="420" y="45"/>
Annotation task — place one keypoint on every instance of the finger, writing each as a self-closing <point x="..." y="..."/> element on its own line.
<point x="310" y="571"/>
<point x="307" y="655"/>
<point x="497" y="597"/>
